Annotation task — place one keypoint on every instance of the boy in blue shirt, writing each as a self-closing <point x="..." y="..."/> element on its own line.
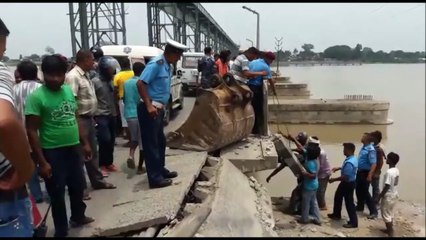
<point x="310" y="184"/>
<point x="131" y="99"/>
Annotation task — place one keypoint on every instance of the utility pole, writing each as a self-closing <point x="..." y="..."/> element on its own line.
<point x="258" y="25"/>
<point x="278" y="48"/>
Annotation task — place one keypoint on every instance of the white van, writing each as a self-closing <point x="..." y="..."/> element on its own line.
<point x="144" y="54"/>
<point x="186" y="70"/>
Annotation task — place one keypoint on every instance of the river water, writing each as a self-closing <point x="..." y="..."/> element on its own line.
<point x="403" y="85"/>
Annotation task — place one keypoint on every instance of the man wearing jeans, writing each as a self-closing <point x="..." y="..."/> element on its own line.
<point x="346" y="187"/>
<point x="366" y="167"/>
<point x="84" y="93"/>
<point x="55" y="131"/>
<point x="154" y="90"/>
<point x="106" y="113"/>
<point x="16" y="166"/>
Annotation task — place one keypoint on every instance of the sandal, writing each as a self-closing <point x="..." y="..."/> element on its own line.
<point x="106" y="186"/>
<point x="131" y="163"/>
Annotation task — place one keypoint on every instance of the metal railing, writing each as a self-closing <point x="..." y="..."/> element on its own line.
<point x="358" y="97"/>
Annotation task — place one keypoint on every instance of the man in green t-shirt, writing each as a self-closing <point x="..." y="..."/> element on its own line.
<point x="51" y="111"/>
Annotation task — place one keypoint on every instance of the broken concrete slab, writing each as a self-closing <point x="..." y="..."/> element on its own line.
<point x="208" y="172"/>
<point x="286" y="155"/>
<point x="144" y="207"/>
<point x="269" y="152"/>
<point x="234" y="212"/>
<point x="213" y="161"/>
<point x="248" y="156"/>
<point x="174" y="152"/>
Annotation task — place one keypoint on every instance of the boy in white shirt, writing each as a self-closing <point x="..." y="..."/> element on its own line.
<point x="389" y="194"/>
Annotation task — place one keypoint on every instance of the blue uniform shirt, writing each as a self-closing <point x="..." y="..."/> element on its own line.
<point x="367" y="157"/>
<point x="310" y="184"/>
<point x="259" y="65"/>
<point x="349" y="168"/>
<point x="157" y="77"/>
<point x="131" y="98"/>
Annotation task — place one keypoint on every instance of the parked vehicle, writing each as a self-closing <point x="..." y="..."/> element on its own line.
<point x="186" y="71"/>
<point x="144" y="54"/>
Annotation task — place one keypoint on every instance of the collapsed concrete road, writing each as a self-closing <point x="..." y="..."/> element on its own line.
<point x="221" y="210"/>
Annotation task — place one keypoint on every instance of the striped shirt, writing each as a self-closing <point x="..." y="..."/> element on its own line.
<point x="240" y="65"/>
<point x="21" y="91"/>
<point x="6" y="93"/>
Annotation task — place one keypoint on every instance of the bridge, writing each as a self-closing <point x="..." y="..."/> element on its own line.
<point x="104" y="23"/>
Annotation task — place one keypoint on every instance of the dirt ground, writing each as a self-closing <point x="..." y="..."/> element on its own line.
<point x="410" y="222"/>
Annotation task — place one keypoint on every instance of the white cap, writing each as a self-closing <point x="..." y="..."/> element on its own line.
<point x="176" y="44"/>
<point x="313" y="140"/>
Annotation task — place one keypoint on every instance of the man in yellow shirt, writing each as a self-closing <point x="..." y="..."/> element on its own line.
<point x="120" y="78"/>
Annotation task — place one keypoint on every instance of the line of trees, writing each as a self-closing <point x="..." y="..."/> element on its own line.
<point x="346" y="53"/>
<point x="34" y="57"/>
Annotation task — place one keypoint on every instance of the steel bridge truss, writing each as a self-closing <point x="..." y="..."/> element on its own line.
<point x="188" y="23"/>
<point x="98" y="23"/>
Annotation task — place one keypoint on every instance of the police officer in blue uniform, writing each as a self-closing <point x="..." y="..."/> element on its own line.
<point x="346" y="187"/>
<point x="154" y="90"/>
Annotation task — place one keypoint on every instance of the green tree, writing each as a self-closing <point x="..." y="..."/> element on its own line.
<point x="5" y="58"/>
<point x="34" y="57"/>
<point x="49" y="50"/>
<point x="307" y="47"/>
<point x="338" y="52"/>
<point x="295" y="52"/>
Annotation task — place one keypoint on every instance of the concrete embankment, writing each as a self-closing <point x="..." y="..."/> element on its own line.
<point x="284" y="90"/>
<point x="330" y="111"/>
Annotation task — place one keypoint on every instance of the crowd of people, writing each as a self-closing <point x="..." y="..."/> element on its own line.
<point x="356" y="175"/>
<point x="52" y="128"/>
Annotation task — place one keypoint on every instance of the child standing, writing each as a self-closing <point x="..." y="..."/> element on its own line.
<point x="310" y="185"/>
<point x="389" y="194"/>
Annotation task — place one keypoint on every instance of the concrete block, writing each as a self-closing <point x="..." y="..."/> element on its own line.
<point x="247" y="155"/>
<point x="286" y="155"/>
<point x="201" y="193"/>
<point x="144" y="207"/>
<point x="208" y="172"/>
<point x="212" y="161"/>
<point x="234" y="212"/>
<point x="269" y="152"/>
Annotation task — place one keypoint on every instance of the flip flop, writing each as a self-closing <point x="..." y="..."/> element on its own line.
<point x="131" y="163"/>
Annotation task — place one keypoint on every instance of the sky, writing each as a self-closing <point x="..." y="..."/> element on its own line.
<point x="381" y="26"/>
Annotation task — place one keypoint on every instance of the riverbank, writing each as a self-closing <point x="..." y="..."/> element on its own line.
<point x="410" y="222"/>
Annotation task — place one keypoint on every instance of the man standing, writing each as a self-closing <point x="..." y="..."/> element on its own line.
<point x="240" y="66"/>
<point x="131" y="99"/>
<point x="207" y="67"/>
<point x="380" y="154"/>
<point x="106" y="113"/>
<point x="16" y="166"/>
<point x="51" y="110"/>
<point x="324" y="173"/>
<point x="346" y="187"/>
<point x="366" y="167"/>
<point x="256" y="86"/>
<point x="154" y="90"/>
<point x="84" y="92"/>
<point x="28" y="71"/>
